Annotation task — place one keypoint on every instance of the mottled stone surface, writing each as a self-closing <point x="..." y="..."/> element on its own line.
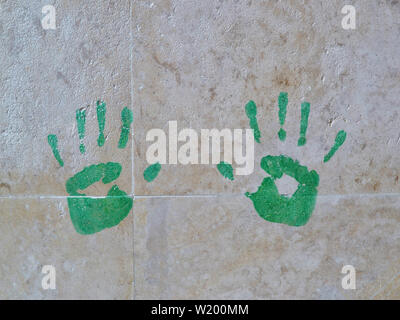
<point x="192" y="233"/>
<point x="219" y="248"/>
<point x="200" y="62"/>
<point x="37" y="232"/>
<point x="46" y="76"/>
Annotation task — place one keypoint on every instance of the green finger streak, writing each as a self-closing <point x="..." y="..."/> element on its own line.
<point x="151" y="172"/>
<point x="282" y="105"/>
<point x="339" y="140"/>
<point x="305" y="112"/>
<point x="251" y="112"/>
<point x="53" y="142"/>
<point x="101" y="119"/>
<point x="127" y="119"/>
<point x="226" y="170"/>
<point x="81" y="119"/>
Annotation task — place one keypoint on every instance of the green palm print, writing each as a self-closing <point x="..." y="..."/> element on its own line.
<point x="89" y="214"/>
<point x="268" y="202"/>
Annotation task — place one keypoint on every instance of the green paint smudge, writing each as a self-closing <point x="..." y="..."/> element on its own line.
<point x="101" y="119"/>
<point x="339" y="140"/>
<point x="226" y="170"/>
<point x="81" y="119"/>
<point x="274" y="207"/>
<point x="90" y="215"/>
<point x="53" y="142"/>
<point x="282" y="105"/>
<point x="127" y="119"/>
<point x="251" y="112"/>
<point x="106" y="172"/>
<point x="305" y="112"/>
<point x="268" y="202"/>
<point x="93" y="214"/>
<point x="151" y="172"/>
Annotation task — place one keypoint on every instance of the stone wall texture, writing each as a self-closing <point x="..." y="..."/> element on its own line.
<point x="193" y="234"/>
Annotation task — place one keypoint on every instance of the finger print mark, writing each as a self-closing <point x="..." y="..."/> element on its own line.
<point x="81" y="119"/>
<point x="339" y="140"/>
<point x="282" y="105"/>
<point x="101" y="119"/>
<point x="127" y="119"/>
<point x="151" y="172"/>
<point x="251" y="112"/>
<point x="305" y="112"/>
<point x="53" y="142"/>
<point x="226" y="170"/>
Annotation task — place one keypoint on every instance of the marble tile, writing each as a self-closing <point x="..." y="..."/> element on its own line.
<point x="219" y="248"/>
<point x="199" y="63"/>
<point x="46" y="76"/>
<point x="39" y="232"/>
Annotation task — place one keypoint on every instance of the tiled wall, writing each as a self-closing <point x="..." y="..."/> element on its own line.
<point x="192" y="233"/>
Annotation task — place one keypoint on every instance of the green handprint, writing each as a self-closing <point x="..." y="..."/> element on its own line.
<point x="89" y="214"/>
<point x="269" y="204"/>
<point x="274" y="207"/>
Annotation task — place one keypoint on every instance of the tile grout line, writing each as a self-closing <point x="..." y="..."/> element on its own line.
<point x="161" y="196"/>
<point x="213" y="195"/>
<point x="132" y="142"/>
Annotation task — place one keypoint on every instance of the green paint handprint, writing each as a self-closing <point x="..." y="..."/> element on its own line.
<point x="274" y="207"/>
<point x="88" y="214"/>
<point x="268" y="202"/>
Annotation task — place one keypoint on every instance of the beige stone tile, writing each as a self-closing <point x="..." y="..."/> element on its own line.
<point x="219" y="248"/>
<point x="199" y="62"/>
<point x="46" y="76"/>
<point x="39" y="232"/>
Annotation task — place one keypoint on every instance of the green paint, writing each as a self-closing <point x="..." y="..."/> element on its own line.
<point x="305" y="112"/>
<point x="251" y="112"/>
<point x="226" y="170"/>
<point x="339" y="140"/>
<point x="101" y="119"/>
<point x="282" y="105"/>
<point x="151" y="172"/>
<point x="91" y="215"/>
<point x="106" y="172"/>
<point x="127" y="119"/>
<point x="81" y="119"/>
<point x="53" y="142"/>
<point x="272" y="206"/>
